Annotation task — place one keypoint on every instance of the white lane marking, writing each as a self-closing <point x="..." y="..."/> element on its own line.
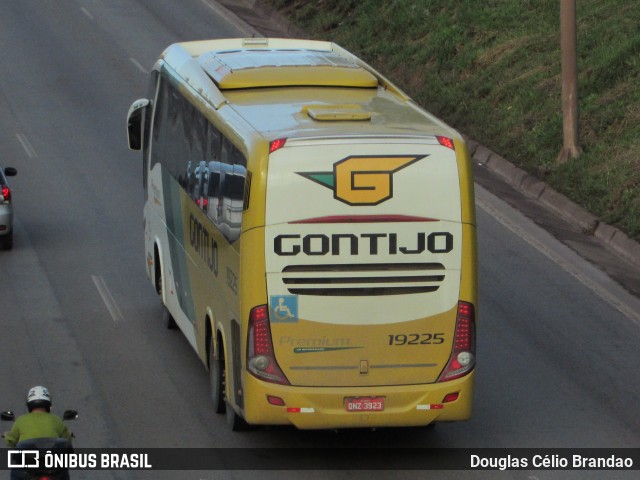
<point x="590" y="276"/>
<point x="87" y="13"/>
<point x="107" y="298"/>
<point x="24" y="141"/>
<point x="140" y="67"/>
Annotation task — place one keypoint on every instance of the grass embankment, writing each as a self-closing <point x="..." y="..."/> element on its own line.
<point x="491" y="69"/>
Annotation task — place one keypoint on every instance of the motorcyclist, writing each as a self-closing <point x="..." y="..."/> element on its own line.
<point x="39" y="423"/>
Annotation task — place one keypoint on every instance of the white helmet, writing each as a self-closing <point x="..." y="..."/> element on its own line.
<point x="38" y="397"/>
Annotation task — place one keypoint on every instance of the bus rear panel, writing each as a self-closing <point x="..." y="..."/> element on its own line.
<point x="364" y="260"/>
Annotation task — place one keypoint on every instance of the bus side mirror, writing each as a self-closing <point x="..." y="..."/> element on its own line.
<point x="134" y="123"/>
<point x="70" y="415"/>
<point x="7" y="416"/>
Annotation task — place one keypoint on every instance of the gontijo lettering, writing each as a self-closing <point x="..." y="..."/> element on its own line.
<point x="364" y="243"/>
<point x="203" y="244"/>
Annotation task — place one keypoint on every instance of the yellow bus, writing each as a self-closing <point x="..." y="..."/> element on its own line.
<point x="311" y="231"/>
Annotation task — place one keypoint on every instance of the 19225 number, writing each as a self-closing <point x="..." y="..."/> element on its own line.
<point x="416" y="339"/>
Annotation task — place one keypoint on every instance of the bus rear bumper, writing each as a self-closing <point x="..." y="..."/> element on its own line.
<point x="325" y="407"/>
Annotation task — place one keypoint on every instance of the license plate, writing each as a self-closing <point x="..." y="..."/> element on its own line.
<point x="364" y="404"/>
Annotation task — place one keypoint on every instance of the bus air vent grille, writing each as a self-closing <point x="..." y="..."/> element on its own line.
<point x="363" y="279"/>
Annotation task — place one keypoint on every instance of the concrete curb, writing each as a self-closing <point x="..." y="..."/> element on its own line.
<point x="566" y="209"/>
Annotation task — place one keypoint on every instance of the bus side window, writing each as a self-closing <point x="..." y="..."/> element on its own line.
<point x="175" y="144"/>
<point x="225" y="169"/>
<point x="212" y="191"/>
<point x="160" y="122"/>
<point x="198" y="136"/>
<point x="214" y="143"/>
<point x="146" y="142"/>
<point x="198" y="193"/>
<point x="233" y="192"/>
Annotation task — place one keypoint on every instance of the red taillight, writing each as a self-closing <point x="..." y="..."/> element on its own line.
<point x="445" y="142"/>
<point x="277" y="401"/>
<point x="463" y="356"/>
<point x="6" y="194"/>
<point x="464" y="327"/>
<point x="450" y="397"/>
<point x="261" y="331"/>
<point x="261" y="361"/>
<point x="276" y="144"/>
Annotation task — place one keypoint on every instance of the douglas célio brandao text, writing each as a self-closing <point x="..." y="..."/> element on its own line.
<point x="550" y="461"/>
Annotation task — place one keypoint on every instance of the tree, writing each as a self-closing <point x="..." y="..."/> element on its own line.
<point x="568" y="47"/>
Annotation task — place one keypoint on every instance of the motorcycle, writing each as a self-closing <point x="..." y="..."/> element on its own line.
<point x="42" y="445"/>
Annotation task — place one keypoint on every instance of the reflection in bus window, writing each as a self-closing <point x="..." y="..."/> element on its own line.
<point x="198" y="194"/>
<point x="213" y="191"/>
<point x="233" y="200"/>
<point x="207" y="165"/>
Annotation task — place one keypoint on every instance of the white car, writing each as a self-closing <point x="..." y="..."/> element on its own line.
<point x="6" y="209"/>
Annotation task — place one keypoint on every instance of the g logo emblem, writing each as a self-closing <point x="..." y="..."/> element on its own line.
<point x="362" y="180"/>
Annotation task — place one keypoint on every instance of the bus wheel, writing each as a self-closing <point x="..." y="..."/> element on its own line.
<point x="168" y="319"/>
<point x="217" y="380"/>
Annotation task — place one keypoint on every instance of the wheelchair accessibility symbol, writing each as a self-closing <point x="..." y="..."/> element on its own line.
<point x="284" y="308"/>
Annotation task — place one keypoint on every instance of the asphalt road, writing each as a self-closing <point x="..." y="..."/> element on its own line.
<point x="557" y="340"/>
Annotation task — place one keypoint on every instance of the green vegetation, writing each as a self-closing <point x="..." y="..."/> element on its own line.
<point x="491" y="69"/>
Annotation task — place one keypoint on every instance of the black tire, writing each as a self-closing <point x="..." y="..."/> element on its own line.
<point x="158" y="273"/>
<point x="235" y="421"/>
<point x="6" y="241"/>
<point x="168" y="319"/>
<point x="217" y="380"/>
